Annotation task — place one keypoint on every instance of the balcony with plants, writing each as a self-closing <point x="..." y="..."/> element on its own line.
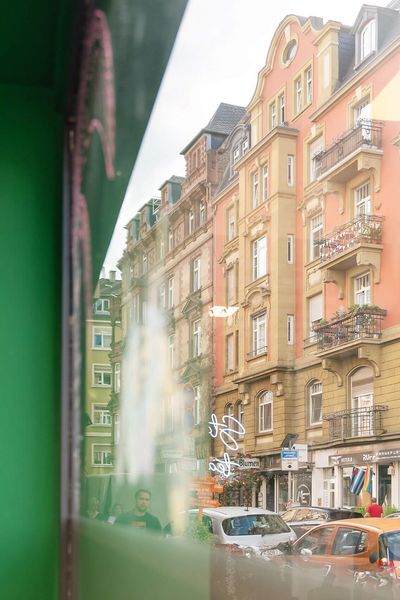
<point x="341" y="160"/>
<point x="358" y="323"/>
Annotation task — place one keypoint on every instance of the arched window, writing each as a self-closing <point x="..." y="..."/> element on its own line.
<point x="368" y="39"/>
<point x="229" y="410"/>
<point x="315" y="403"/>
<point x="362" y="400"/>
<point x="265" y="411"/>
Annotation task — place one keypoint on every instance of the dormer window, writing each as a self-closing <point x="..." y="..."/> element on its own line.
<point x="236" y="153"/>
<point x="368" y="39"/>
<point x="245" y="145"/>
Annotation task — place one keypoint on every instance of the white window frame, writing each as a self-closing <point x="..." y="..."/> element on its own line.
<point x="364" y="398"/>
<point x="290" y="330"/>
<point x="265" y="182"/>
<point x="264" y="400"/>
<point x="299" y="95"/>
<point x="308" y="76"/>
<point x="144" y="262"/>
<point x="106" y="449"/>
<point x="254" y="179"/>
<point x="117" y="377"/>
<point x="290" y="170"/>
<point x="362" y="289"/>
<point x="315" y="311"/>
<point x="362" y="199"/>
<point x="104" y="414"/>
<point x="196" y="274"/>
<point x="272" y="112"/>
<point x="290" y="249"/>
<point x="316" y="232"/>
<point x="191" y="221"/>
<point x="116" y="431"/>
<point x="170" y="240"/>
<point x="230" y="352"/>
<point x="163" y="295"/>
<point x="315" y="148"/>
<point x="236" y="153"/>
<point x="259" y="334"/>
<point x="170" y="292"/>
<point x="259" y="258"/>
<point x="368" y="39"/>
<point x="196" y="338"/>
<point x="281" y="102"/>
<point x="171" y="350"/>
<point x="202" y="213"/>
<point x="245" y="145"/>
<point x="102" y="306"/>
<point x="104" y="332"/>
<point x="101" y="369"/>
<point x="196" y="405"/>
<point x="231" y="219"/>
<point x="314" y="392"/>
<point x="162" y="247"/>
<point x="240" y="416"/>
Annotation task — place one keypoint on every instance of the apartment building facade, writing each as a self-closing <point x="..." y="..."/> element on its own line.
<point x="168" y="265"/>
<point x="315" y="254"/>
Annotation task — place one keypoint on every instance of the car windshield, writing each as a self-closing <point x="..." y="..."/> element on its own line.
<point x="254" y="525"/>
<point x="389" y="545"/>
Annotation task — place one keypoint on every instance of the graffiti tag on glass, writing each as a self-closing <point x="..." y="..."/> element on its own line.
<point x="227" y="430"/>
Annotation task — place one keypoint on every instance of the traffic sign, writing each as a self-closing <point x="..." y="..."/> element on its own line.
<point x="292" y="453"/>
<point x="290" y="459"/>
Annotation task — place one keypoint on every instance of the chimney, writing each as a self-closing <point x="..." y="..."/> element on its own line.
<point x="112" y="275"/>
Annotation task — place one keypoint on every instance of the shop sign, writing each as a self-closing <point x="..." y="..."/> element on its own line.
<point x="358" y="458"/>
<point x="248" y="463"/>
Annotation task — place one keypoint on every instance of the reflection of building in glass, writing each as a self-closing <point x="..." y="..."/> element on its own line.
<point x="100" y="377"/>
<point x="303" y="231"/>
<point x="168" y="262"/>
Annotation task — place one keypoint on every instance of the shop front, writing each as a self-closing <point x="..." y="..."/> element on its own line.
<point x="281" y="488"/>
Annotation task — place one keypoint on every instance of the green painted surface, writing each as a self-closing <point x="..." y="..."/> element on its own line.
<point x="30" y="242"/>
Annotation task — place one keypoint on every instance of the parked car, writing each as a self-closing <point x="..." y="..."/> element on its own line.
<point x="302" y="519"/>
<point x="244" y="527"/>
<point x="395" y="515"/>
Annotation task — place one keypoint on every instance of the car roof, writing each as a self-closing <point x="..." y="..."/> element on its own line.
<point x="369" y="524"/>
<point x="322" y="509"/>
<point x="234" y="511"/>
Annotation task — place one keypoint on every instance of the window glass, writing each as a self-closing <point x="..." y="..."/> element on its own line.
<point x="350" y="541"/>
<point x="254" y="525"/>
<point x="317" y="541"/>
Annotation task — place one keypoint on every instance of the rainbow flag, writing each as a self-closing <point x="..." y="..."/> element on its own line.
<point x="367" y="487"/>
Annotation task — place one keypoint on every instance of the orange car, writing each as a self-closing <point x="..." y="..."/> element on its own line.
<point x="370" y="544"/>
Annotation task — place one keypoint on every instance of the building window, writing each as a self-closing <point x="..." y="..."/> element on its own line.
<point x="117" y="377"/>
<point x="163" y="298"/>
<point x="196" y="281"/>
<point x="162" y="248"/>
<point x="368" y="39"/>
<point x="231" y="233"/>
<point x="265" y="412"/>
<point x="309" y="85"/>
<point x="362" y="200"/>
<point x="245" y="145"/>
<point x="290" y="330"/>
<point x="290" y="249"/>
<point x="272" y="115"/>
<point x="101" y="375"/>
<point x="101" y="338"/>
<point x="196" y="405"/>
<point x="191" y="221"/>
<point x="259" y="330"/>
<point x="259" y="257"/>
<point x="281" y="104"/>
<point x="101" y="415"/>
<point x="202" y="213"/>
<point x="230" y="352"/>
<point x="102" y="306"/>
<point x="144" y="262"/>
<point x="315" y="149"/>
<point x="265" y="182"/>
<point x="362" y="290"/>
<point x="196" y="338"/>
<point x="255" y="189"/>
<point x="171" y="350"/>
<point x="315" y="403"/>
<point x="236" y="153"/>
<point x="315" y="312"/>
<point x="329" y="487"/>
<point x="116" y="429"/>
<point x="101" y="455"/>
<point x="362" y="400"/>
<point x="170" y="240"/>
<point x="170" y="292"/>
<point x="298" y="95"/>
<point x="290" y="169"/>
<point x="240" y="413"/>
<point x="231" y="286"/>
<point x="316" y="229"/>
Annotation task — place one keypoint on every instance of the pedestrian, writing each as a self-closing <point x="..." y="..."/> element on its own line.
<point x="374" y="509"/>
<point x="93" y="510"/>
<point x="138" y="516"/>
<point x="116" y="512"/>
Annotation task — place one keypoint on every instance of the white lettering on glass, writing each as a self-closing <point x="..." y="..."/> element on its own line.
<point x="226" y="430"/>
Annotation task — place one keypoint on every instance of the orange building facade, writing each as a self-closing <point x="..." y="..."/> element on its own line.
<point x="306" y="246"/>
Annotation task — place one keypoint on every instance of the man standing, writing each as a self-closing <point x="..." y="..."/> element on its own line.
<point x="374" y="509"/>
<point x="138" y="516"/>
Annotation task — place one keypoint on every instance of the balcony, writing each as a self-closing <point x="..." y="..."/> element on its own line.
<point x="362" y="323"/>
<point x="336" y="162"/>
<point x="356" y="423"/>
<point x="363" y="230"/>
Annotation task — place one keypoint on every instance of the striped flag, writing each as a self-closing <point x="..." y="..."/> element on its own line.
<point x="357" y="480"/>
<point x="367" y="487"/>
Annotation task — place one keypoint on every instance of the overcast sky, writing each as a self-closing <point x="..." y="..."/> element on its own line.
<point x="220" y="48"/>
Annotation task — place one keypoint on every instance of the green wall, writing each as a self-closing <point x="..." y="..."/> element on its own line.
<point x="30" y="244"/>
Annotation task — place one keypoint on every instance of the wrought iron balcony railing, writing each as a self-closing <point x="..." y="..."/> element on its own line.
<point x="365" y="322"/>
<point x="357" y="422"/>
<point x="367" y="133"/>
<point x="365" y="229"/>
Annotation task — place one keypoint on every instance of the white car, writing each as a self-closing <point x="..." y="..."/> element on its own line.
<point x="250" y="527"/>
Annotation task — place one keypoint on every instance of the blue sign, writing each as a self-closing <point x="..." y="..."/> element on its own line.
<point x="292" y="454"/>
